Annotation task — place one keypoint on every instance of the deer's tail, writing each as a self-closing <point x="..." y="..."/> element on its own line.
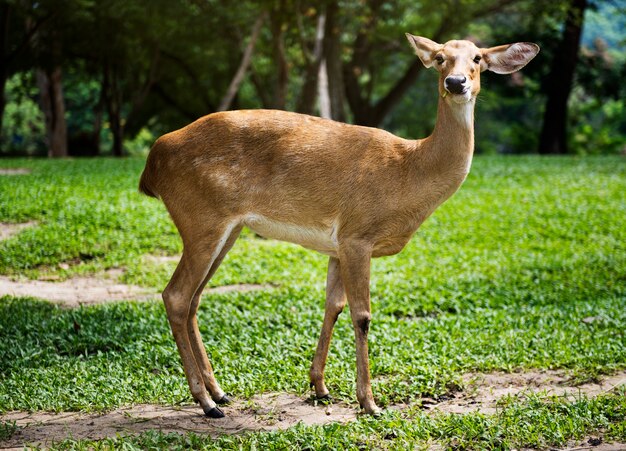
<point x="147" y="181"/>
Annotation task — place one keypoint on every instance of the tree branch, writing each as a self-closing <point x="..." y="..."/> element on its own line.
<point x="309" y="88"/>
<point x="235" y="83"/>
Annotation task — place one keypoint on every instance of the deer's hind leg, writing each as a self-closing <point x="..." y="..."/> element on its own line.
<point x="199" y="351"/>
<point x="200" y="251"/>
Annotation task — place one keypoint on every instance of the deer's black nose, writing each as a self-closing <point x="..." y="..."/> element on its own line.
<point x="455" y="83"/>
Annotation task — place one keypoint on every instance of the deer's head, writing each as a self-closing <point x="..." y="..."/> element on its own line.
<point x="460" y="63"/>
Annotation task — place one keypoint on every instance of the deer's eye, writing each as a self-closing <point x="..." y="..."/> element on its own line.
<point x="439" y="59"/>
<point x="477" y="59"/>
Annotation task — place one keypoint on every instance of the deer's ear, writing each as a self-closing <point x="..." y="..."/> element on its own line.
<point x="424" y="48"/>
<point x="506" y="59"/>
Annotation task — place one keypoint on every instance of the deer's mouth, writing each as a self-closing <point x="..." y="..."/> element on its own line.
<point x="463" y="96"/>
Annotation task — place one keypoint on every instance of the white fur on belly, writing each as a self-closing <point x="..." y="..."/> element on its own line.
<point x="319" y="239"/>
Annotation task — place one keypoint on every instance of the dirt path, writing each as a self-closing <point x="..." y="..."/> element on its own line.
<point x="482" y="391"/>
<point x="7" y="230"/>
<point x="75" y="291"/>
<point x="261" y="413"/>
<point x="95" y="290"/>
<point x="15" y="171"/>
<point x="281" y="410"/>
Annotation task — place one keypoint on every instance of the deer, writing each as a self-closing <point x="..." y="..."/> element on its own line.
<point x="350" y="192"/>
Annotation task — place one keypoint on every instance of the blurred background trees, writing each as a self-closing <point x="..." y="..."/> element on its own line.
<point x="96" y="77"/>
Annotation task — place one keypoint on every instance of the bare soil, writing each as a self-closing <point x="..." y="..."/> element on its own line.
<point x="483" y="392"/>
<point x="75" y="291"/>
<point x="262" y="413"/>
<point x="282" y="410"/>
<point x="95" y="290"/>
<point x="14" y="171"/>
<point x="7" y="230"/>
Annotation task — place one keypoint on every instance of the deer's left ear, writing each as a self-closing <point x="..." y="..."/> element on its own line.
<point x="506" y="59"/>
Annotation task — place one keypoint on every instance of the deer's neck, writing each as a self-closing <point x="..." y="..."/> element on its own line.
<point x="444" y="158"/>
<point x="452" y="140"/>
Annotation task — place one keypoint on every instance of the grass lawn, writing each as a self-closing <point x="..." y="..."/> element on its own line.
<point x="501" y="277"/>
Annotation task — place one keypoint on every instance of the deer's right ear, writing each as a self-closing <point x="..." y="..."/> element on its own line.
<point x="424" y="48"/>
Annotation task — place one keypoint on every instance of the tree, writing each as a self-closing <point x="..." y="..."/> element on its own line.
<point x="553" y="138"/>
<point x="15" y="42"/>
<point x="48" y="47"/>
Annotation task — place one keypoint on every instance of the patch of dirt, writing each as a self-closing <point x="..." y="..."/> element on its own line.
<point x="15" y="171"/>
<point x="96" y="290"/>
<point x="75" y="291"/>
<point x="281" y="410"/>
<point x="483" y="391"/>
<point x="160" y="259"/>
<point x="262" y="413"/>
<point x="240" y="287"/>
<point x="7" y="230"/>
<point x="593" y="443"/>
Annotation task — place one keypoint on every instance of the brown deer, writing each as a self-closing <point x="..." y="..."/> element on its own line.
<point x="346" y="191"/>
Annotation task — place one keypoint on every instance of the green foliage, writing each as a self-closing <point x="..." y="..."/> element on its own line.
<point x="7" y="429"/>
<point x="598" y="105"/>
<point x="596" y="133"/>
<point x="23" y="123"/>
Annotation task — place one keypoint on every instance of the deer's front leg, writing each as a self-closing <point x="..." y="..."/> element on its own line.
<point x="335" y="302"/>
<point x="355" y="272"/>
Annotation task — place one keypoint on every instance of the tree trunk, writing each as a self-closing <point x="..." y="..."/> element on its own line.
<point x="53" y="107"/>
<point x="4" y="43"/>
<point x="322" y="92"/>
<point x="235" y="83"/>
<point x="333" y="63"/>
<point x="3" y="99"/>
<point x="113" y="100"/>
<point x="306" y="104"/>
<point x="553" y="139"/>
<point x="280" y="57"/>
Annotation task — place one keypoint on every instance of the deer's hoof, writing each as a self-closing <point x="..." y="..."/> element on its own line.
<point x="215" y="412"/>
<point x="371" y="409"/>
<point x="324" y="398"/>
<point x="224" y="400"/>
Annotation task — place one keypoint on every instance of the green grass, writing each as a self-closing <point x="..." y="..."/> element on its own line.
<point x="7" y="429"/>
<point x="499" y="278"/>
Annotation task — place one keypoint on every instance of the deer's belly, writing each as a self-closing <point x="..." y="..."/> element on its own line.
<point x="319" y="239"/>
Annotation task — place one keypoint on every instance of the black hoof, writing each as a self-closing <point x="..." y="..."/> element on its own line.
<point x="215" y="412"/>
<point x="326" y="397"/>
<point x="224" y="400"/>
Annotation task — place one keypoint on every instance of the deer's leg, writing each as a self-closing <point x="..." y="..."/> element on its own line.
<point x="198" y="256"/>
<point x="355" y="272"/>
<point x="335" y="301"/>
<point x="199" y="351"/>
